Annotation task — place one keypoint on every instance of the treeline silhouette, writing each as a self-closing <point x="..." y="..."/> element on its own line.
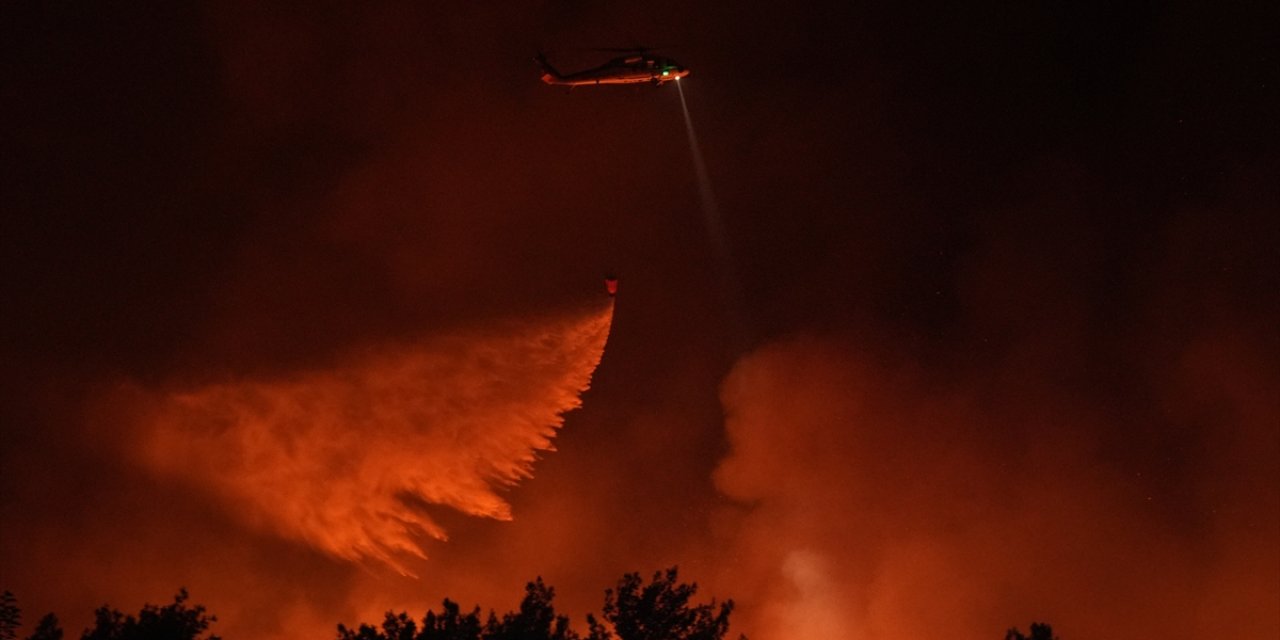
<point x="1039" y="631"/>
<point x="175" y="621"/>
<point x="633" y="610"/>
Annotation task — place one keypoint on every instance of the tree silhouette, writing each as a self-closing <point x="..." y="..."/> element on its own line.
<point x="536" y="619"/>
<point x="1038" y="632"/>
<point x="175" y="621"/>
<point x="659" y="611"/>
<point x="449" y="624"/>
<point x="633" y="611"/>
<point x="10" y="616"/>
<point x="394" y="627"/>
<point x="47" y="629"/>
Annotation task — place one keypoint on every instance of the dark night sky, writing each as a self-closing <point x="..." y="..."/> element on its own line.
<point x="996" y="264"/>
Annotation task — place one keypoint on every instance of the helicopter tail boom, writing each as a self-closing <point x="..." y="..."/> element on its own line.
<point x="549" y="75"/>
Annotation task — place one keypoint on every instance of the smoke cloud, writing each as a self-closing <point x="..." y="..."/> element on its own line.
<point x="885" y="504"/>
<point x="351" y="459"/>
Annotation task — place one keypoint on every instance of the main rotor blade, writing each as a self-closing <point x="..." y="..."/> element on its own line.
<point x="627" y="49"/>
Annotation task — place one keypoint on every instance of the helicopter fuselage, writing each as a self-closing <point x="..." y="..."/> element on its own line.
<point x="625" y="70"/>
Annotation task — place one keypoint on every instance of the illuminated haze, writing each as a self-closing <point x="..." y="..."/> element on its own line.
<point x="983" y="331"/>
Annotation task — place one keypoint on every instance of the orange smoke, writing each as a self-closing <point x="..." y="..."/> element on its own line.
<point x="350" y="458"/>
<point x="880" y="504"/>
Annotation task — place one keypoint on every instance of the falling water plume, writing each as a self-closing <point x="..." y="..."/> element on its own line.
<point x="349" y="458"/>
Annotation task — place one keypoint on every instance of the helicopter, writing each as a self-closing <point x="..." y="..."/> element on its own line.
<point x="639" y="66"/>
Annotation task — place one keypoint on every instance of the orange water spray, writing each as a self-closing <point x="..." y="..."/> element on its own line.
<point x="353" y="458"/>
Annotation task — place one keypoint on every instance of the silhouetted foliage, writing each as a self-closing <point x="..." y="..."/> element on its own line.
<point x="659" y="611"/>
<point x="394" y="627"/>
<point x="47" y="629"/>
<point x="176" y="621"/>
<point x="449" y="624"/>
<point x="632" y="611"/>
<point x="536" y="619"/>
<point x="1038" y="632"/>
<point x="10" y="616"/>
